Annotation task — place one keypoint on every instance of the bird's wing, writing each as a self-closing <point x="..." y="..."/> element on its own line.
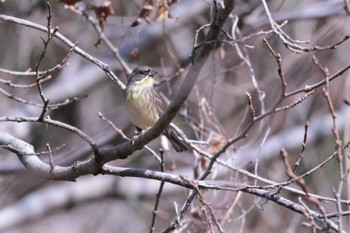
<point x="160" y="106"/>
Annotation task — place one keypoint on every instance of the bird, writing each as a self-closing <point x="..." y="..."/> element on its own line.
<point x="144" y="106"/>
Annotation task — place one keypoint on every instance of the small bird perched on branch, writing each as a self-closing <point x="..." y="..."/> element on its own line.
<point x="144" y="105"/>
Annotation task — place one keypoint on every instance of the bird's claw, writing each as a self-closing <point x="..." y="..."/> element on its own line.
<point x="137" y="134"/>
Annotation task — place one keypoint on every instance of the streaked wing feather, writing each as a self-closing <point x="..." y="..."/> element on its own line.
<point x="160" y="106"/>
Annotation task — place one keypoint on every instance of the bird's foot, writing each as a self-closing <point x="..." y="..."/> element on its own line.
<point x="137" y="134"/>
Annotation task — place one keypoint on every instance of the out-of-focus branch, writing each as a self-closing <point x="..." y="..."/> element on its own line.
<point x="56" y="197"/>
<point x="291" y="44"/>
<point x="315" y="10"/>
<point x="69" y="43"/>
<point x="29" y="158"/>
<point x="23" y="149"/>
<point x="347" y="6"/>
<point x="103" y="37"/>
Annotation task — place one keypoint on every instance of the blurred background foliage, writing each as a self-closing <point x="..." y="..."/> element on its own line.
<point x="217" y="106"/>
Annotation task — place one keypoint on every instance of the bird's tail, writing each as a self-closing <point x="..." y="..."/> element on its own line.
<point x="173" y="137"/>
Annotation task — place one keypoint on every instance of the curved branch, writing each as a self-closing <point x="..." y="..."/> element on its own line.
<point x="66" y="41"/>
<point x="32" y="162"/>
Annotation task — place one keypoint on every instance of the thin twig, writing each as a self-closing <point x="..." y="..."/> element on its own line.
<point x="294" y="45"/>
<point x="63" y="39"/>
<point x="307" y="213"/>
<point x="338" y="142"/>
<point x="296" y="102"/>
<point x="204" y="203"/>
<point x="52" y="164"/>
<point x="120" y="131"/>
<point x="303" y="147"/>
<point x="160" y="190"/>
<point x="278" y="59"/>
<point x="50" y="35"/>
<point x="59" y="124"/>
<point x="246" y="59"/>
<point x="20" y="73"/>
<point x="104" y="38"/>
<point x="347" y="6"/>
<point x="250" y="105"/>
<point x="314" y="86"/>
<point x="324" y="70"/>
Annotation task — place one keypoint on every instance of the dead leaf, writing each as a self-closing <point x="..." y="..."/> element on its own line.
<point x="144" y="13"/>
<point x="135" y="54"/>
<point x="69" y="2"/>
<point x="163" y="11"/>
<point x="102" y="12"/>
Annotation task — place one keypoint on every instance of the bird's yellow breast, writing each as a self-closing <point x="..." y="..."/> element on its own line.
<point x="139" y="103"/>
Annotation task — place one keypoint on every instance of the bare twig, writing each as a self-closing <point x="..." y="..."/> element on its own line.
<point x="324" y="70"/>
<point x="24" y="86"/>
<point x="263" y="33"/>
<point x="250" y="105"/>
<point x="52" y="164"/>
<point x="296" y="102"/>
<point x="120" y="131"/>
<point x="204" y="203"/>
<point x="62" y="125"/>
<point x="69" y="43"/>
<point x="338" y="151"/>
<point x="295" y="45"/>
<point x="21" y="73"/>
<point x="43" y="77"/>
<point x="46" y="43"/>
<point x="299" y="180"/>
<point x="307" y="213"/>
<point x="347" y="6"/>
<point x="303" y="147"/>
<point x="246" y="59"/>
<point x="104" y="38"/>
<point x="320" y="83"/>
<point x="154" y="213"/>
<point x="278" y="59"/>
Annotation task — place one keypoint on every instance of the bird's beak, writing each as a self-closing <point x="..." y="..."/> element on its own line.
<point x="152" y="73"/>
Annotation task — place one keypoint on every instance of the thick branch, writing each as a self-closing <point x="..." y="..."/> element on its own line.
<point x="199" y="59"/>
